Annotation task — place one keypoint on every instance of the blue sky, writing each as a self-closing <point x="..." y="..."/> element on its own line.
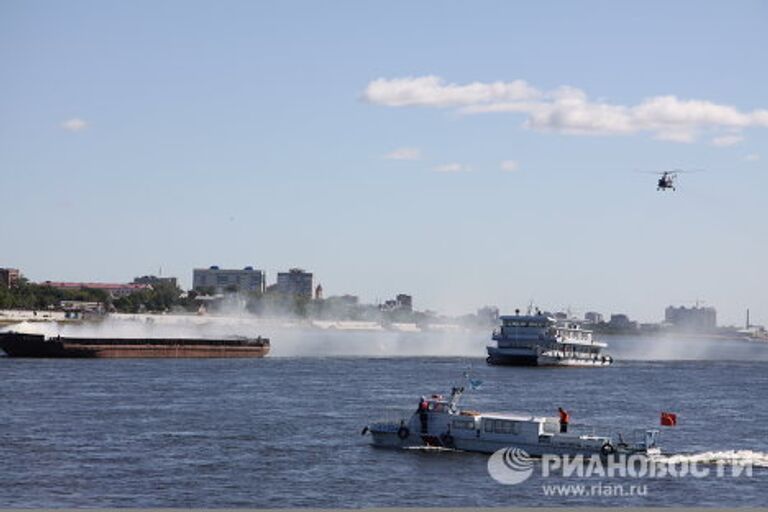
<point x="140" y="135"/>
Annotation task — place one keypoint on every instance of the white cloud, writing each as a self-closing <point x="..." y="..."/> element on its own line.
<point x="509" y="165"/>
<point x="568" y="109"/>
<point x="727" y="140"/>
<point x="752" y="157"/>
<point x="432" y="91"/>
<point x="74" y="125"/>
<point x="452" y="167"/>
<point x="404" y="154"/>
<point x="676" y="135"/>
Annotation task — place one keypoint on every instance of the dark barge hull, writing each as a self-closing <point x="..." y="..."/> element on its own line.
<point x="37" y="345"/>
<point x="506" y="360"/>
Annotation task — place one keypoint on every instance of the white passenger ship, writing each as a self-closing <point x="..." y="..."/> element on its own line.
<point x="540" y="340"/>
<point x="440" y="423"/>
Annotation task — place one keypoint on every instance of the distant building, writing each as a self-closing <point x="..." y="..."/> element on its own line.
<point x="154" y="280"/>
<point x="488" y="314"/>
<point x="78" y="309"/>
<point x="115" y="290"/>
<point x="401" y="302"/>
<point x="593" y="317"/>
<point x="246" y="280"/>
<point x="693" y="319"/>
<point x="404" y="302"/>
<point x="389" y="305"/>
<point x="319" y="292"/>
<point x="349" y="300"/>
<point x="622" y="322"/>
<point x="296" y="282"/>
<point x="9" y="277"/>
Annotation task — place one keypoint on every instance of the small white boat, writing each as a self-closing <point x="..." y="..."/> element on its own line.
<point x="539" y="340"/>
<point x="438" y="422"/>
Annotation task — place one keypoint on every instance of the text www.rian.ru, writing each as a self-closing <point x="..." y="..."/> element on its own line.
<point x="607" y="490"/>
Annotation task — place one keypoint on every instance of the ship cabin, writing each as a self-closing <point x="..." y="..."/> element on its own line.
<point x="516" y="330"/>
<point x="461" y="423"/>
<point x="514" y="428"/>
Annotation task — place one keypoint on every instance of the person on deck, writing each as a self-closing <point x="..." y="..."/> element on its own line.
<point x="565" y="418"/>
<point x="423" y="417"/>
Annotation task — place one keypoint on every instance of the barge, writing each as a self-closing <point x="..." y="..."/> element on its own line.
<point x="16" y="344"/>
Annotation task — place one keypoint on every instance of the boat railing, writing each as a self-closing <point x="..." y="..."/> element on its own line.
<point x="393" y="415"/>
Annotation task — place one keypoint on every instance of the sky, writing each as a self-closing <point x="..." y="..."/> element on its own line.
<point x="467" y="153"/>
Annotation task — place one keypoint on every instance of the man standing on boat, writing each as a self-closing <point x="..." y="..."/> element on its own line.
<point x="423" y="417"/>
<point x="564" y="419"/>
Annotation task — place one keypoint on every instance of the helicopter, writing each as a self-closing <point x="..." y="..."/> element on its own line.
<point x="667" y="178"/>
<point x="666" y="181"/>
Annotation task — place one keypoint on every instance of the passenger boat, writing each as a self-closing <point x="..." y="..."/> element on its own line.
<point x="540" y="340"/>
<point x="37" y="345"/>
<point x="439" y="422"/>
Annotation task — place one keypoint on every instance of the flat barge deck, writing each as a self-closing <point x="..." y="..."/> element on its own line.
<point x="37" y="345"/>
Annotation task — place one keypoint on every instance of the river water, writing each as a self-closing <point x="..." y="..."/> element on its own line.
<point x="284" y="431"/>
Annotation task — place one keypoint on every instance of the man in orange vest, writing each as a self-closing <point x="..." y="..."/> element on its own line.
<point x="564" y="419"/>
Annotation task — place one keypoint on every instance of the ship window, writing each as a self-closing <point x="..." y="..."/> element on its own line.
<point x="467" y="425"/>
<point x="507" y="427"/>
<point x="499" y="427"/>
<point x="488" y="425"/>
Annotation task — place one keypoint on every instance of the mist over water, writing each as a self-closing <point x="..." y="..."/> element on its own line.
<point x="685" y="348"/>
<point x="299" y="338"/>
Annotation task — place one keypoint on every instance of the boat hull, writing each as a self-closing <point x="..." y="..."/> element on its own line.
<point x="391" y="440"/>
<point x="28" y="345"/>
<point x="530" y="358"/>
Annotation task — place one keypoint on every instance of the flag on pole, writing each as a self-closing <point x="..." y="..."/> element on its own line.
<point x="668" y="419"/>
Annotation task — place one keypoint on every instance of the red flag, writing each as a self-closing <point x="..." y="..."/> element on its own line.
<point x="668" y="419"/>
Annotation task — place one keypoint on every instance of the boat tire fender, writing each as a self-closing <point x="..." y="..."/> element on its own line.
<point x="607" y="449"/>
<point x="403" y="432"/>
<point x="447" y="440"/>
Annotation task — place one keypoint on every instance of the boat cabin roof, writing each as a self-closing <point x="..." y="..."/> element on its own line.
<point x="515" y="417"/>
<point x="527" y="318"/>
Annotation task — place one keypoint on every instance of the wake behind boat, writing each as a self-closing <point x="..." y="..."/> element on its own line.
<point x="37" y="345"/>
<point x="539" y="340"/>
<point x="439" y="422"/>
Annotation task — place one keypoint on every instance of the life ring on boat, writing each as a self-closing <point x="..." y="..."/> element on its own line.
<point x="403" y="432"/>
<point x="607" y="449"/>
<point x="447" y="440"/>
